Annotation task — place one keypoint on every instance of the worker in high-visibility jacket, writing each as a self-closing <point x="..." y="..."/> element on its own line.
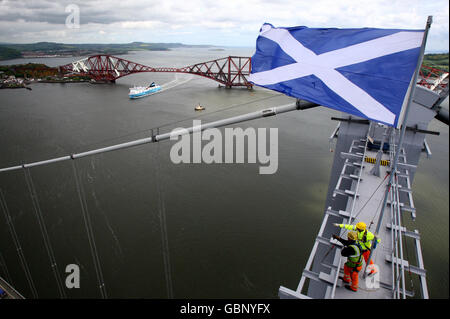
<point x="353" y="251"/>
<point x="365" y="239"/>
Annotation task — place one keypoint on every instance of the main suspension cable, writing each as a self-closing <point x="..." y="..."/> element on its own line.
<point x="180" y="121"/>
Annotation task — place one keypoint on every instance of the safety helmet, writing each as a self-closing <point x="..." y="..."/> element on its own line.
<point x="352" y="235"/>
<point x="361" y="226"/>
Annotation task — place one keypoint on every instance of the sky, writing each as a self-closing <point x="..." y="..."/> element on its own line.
<point x="219" y="22"/>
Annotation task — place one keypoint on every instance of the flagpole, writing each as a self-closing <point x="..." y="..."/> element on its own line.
<point x="402" y="132"/>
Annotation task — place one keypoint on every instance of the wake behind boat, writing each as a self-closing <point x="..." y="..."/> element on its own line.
<point x="141" y="91"/>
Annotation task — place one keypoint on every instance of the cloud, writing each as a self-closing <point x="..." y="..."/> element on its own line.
<point x="210" y="22"/>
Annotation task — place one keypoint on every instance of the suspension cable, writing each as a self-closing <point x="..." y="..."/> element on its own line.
<point x="180" y="121"/>
<point x="220" y="123"/>
<point x="359" y="212"/>
<point x="361" y="209"/>
<point x="379" y="204"/>
<point x="163" y="225"/>
<point x="44" y="232"/>
<point x="19" y="249"/>
<point x="90" y="233"/>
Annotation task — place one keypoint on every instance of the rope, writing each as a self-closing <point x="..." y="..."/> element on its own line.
<point x="379" y="204"/>
<point x="19" y="250"/>
<point x="43" y="228"/>
<point x="361" y="209"/>
<point x="90" y="233"/>
<point x="163" y="225"/>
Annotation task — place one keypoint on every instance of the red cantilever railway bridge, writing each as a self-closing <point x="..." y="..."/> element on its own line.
<point x="229" y="71"/>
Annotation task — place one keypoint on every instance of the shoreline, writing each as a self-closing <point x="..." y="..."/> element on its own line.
<point x="60" y="81"/>
<point x="26" y="86"/>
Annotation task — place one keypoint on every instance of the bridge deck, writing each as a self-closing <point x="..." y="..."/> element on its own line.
<point x="364" y="193"/>
<point x="368" y="213"/>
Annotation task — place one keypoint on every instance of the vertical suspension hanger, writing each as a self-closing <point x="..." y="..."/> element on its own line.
<point x="44" y="232"/>
<point x="90" y="233"/>
<point x="163" y="225"/>
<point x="23" y="261"/>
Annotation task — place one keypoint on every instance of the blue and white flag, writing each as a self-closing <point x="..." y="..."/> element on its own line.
<point x="365" y="72"/>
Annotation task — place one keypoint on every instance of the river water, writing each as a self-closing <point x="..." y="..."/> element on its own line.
<point x="227" y="231"/>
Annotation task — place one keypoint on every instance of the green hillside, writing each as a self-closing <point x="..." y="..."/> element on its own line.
<point x="7" y="53"/>
<point x="438" y="61"/>
<point x="11" y="51"/>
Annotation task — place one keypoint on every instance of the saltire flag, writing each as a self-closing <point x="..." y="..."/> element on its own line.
<point x="365" y="72"/>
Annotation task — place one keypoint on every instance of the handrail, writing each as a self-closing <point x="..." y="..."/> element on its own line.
<point x="399" y="275"/>
<point x="399" y="225"/>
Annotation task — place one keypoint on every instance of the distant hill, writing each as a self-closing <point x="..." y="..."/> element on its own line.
<point x="7" y="53"/>
<point x="11" y="51"/>
<point x="439" y="61"/>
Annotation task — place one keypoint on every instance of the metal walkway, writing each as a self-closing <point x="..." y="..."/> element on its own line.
<point x="11" y="293"/>
<point x="363" y="193"/>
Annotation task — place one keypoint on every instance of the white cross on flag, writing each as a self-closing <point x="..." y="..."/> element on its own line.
<point x="365" y="72"/>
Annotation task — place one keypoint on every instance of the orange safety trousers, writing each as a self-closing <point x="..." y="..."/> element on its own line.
<point x="366" y="255"/>
<point x="352" y="274"/>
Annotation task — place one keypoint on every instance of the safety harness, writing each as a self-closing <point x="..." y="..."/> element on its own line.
<point x="355" y="260"/>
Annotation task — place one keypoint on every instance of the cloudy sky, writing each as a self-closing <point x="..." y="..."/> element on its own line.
<point x="218" y="22"/>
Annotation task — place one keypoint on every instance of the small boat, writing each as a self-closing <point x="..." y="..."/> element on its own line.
<point x="141" y="91"/>
<point x="199" y="107"/>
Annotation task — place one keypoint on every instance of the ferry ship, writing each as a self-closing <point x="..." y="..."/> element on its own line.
<point x="141" y="91"/>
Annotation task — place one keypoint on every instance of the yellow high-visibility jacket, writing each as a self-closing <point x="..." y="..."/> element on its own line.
<point x="365" y="237"/>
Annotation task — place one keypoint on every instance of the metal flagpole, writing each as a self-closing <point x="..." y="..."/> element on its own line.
<point x="403" y="129"/>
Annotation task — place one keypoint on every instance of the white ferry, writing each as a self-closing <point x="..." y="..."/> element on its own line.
<point x="141" y="91"/>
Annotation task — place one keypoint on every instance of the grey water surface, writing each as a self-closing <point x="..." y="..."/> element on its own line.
<point x="213" y="230"/>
